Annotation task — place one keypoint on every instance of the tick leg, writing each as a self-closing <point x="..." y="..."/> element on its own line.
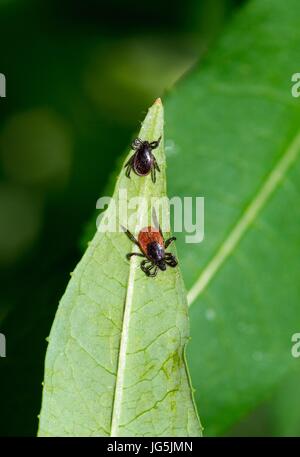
<point x="136" y="143"/>
<point x="129" y="165"/>
<point x="144" y="268"/>
<point x="130" y="236"/>
<point x="169" y="256"/>
<point x="153" y="174"/>
<point x="129" y="161"/>
<point x="171" y="260"/>
<point x="153" y="273"/>
<point x="172" y="264"/>
<point x="128" y="171"/>
<point x="156" y="164"/>
<point x="147" y="270"/>
<point x="155" y="144"/>
<point x="169" y="241"/>
<point x="134" y="253"/>
<point x="144" y="262"/>
<point x="153" y="169"/>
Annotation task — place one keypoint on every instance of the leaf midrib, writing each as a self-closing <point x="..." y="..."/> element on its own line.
<point x="118" y="394"/>
<point x="117" y="405"/>
<point x="247" y="218"/>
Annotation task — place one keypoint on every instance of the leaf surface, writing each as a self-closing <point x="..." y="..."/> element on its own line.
<point x="115" y="361"/>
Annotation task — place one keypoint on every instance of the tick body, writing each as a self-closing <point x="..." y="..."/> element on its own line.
<point x="152" y="245"/>
<point x="143" y="161"/>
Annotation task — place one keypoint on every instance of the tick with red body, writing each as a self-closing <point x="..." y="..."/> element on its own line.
<point x="152" y="245"/>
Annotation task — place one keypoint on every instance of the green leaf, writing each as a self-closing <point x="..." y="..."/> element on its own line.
<point x="115" y="362"/>
<point x="285" y="406"/>
<point x="233" y="136"/>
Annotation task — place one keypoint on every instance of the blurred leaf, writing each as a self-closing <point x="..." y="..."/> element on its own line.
<point x="115" y="362"/>
<point x="285" y="407"/>
<point x="279" y="415"/>
<point x="128" y="73"/>
<point x="233" y="137"/>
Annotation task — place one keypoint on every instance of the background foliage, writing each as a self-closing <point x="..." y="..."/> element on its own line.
<point x="79" y="78"/>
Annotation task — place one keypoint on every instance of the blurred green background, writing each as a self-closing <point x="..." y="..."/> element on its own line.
<point x="80" y="76"/>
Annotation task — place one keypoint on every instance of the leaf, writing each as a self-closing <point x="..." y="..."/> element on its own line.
<point x="232" y="135"/>
<point x="115" y="362"/>
<point x="285" y="407"/>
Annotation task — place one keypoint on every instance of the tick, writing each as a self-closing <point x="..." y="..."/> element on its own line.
<point x="142" y="162"/>
<point x="152" y="245"/>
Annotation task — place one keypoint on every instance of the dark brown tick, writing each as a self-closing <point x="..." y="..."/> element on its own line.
<point x="142" y="162"/>
<point x="152" y="245"/>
